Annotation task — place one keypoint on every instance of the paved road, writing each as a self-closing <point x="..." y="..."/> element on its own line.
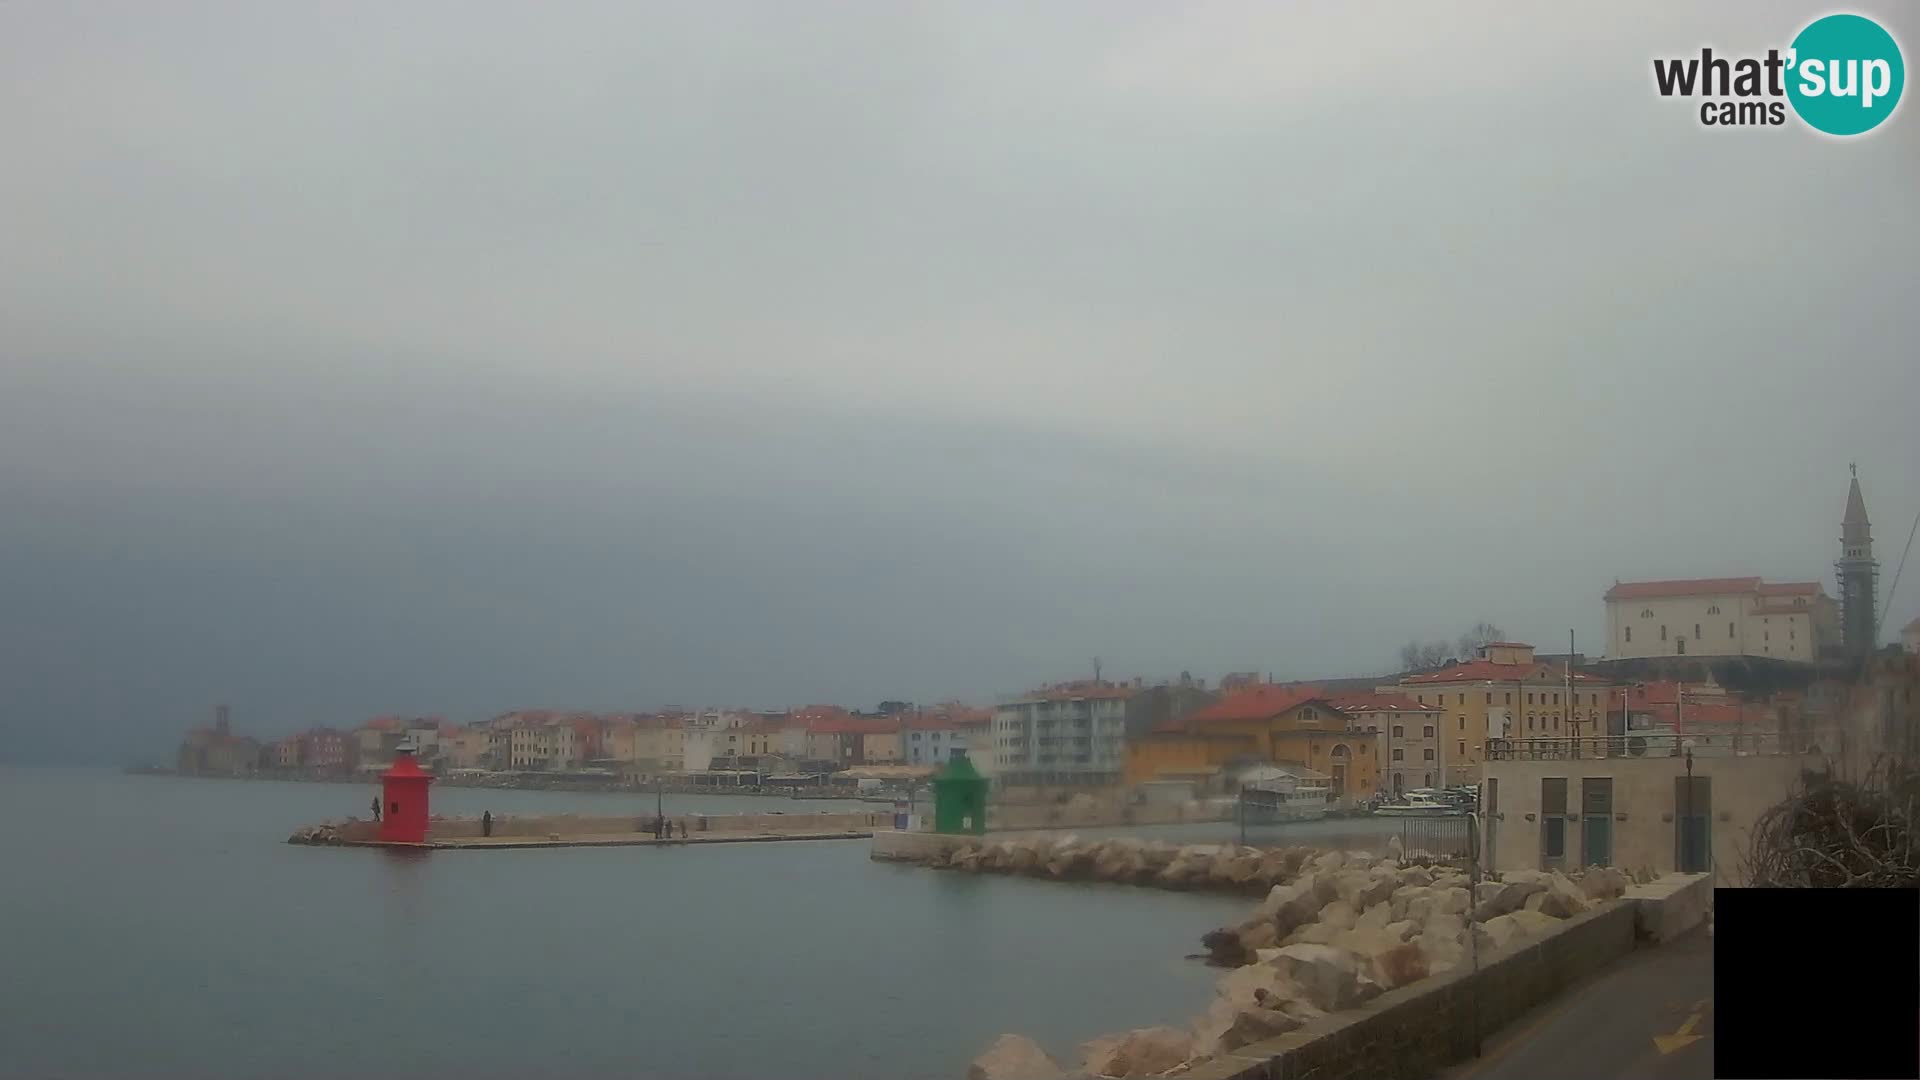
<point x="1605" y="1027"/>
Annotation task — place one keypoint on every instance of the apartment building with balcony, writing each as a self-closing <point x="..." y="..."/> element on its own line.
<point x="1071" y="734"/>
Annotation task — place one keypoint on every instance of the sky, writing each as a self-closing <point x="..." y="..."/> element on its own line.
<point x="451" y="357"/>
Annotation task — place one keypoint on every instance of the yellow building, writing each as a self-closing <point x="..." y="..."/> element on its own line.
<point x="1505" y="694"/>
<point x="1285" y="725"/>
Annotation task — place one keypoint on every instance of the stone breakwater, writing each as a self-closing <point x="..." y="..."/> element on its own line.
<point x="456" y="831"/>
<point x="1342" y="928"/>
<point x="1121" y="860"/>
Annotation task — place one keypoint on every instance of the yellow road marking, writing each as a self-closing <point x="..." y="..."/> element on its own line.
<point x="1667" y="1044"/>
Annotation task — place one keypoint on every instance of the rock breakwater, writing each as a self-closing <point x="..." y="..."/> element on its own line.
<point x="1334" y="930"/>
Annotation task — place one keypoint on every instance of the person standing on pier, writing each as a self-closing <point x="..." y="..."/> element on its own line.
<point x="376" y="808"/>
<point x="486" y="823"/>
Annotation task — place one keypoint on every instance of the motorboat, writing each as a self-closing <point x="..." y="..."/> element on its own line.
<point x="1417" y="804"/>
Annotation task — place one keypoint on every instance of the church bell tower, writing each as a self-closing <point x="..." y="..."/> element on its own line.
<point x="1859" y="574"/>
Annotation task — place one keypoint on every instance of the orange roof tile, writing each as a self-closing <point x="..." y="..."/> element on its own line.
<point x="1488" y="671"/>
<point x="1649" y="590"/>
<point x="1379" y="703"/>
<point x="1260" y="702"/>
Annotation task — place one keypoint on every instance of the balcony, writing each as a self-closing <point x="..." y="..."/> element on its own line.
<point x="1653" y="745"/>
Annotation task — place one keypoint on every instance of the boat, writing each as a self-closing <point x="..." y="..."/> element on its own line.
<point x="1417" y="804"/>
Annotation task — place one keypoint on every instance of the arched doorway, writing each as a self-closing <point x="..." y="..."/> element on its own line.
<point x="1342" y="756"/>
<point x="1399" y="782"/>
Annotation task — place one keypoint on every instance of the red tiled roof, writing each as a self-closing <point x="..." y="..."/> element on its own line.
<point x="1790" y="588"/>
<point x="946" y="720"/>
<point x="1723" y="714"/>
<point x="1649" y="590"/>
<point x="1379" y="703"/>
<point x="1488" y="671"/>
<point x="1255" y="703"/>
<point x="859" y="725"/>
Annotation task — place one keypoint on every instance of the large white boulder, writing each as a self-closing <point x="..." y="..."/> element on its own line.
<point x="1534" y="923"/>
<point x="1603" y="883"/>
<point x="1562" y="899"/>
<point x="1503" y="930"/>
<point x="1014" y="1057"/>
<point x="1399" y="965"/>
<point x="1144" y="1052"/>
<point x="1338" y="914"/>
<point x="1328" y="977"/>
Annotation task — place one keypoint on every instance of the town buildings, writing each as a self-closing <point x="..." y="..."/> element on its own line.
<point x="1263" y="724"/>
<point x="1407" y="739"/>
<point x="1071" y="734"/>
<point x="1910" y="637"/>
<point x="1716" y="617"/>
<point x="1504" y="693"/>
<point x="216" y="750"/>
<point x="937" y="735"/>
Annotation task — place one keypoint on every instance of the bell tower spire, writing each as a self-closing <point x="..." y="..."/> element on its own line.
<point x="1858" y="573"/>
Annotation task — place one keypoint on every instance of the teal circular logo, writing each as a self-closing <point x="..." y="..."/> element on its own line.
<point x="1845" y="74"/>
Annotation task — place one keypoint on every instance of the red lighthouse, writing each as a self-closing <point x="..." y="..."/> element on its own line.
<point x="403" y="791"/>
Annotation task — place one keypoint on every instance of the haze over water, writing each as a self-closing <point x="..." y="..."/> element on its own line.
<point x="160" y="927"/>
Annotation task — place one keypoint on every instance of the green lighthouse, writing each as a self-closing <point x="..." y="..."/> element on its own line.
<point x="960" y="799"/>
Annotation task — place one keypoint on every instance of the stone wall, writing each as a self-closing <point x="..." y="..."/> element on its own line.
<point x="1087" y="811"/>
<point x="1408" y="1034"/>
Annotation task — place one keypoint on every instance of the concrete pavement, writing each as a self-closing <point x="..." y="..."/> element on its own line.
<point x="1648" y="1014"/>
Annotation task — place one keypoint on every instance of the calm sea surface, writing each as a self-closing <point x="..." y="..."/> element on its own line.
<point x="161" y="927"/>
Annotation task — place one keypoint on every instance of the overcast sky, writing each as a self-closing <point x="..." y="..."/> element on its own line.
<point x="452" y="357"/>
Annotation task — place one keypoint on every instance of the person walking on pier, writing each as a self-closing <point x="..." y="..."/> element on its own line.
<point x="486" y="823"/>
<point x="376" y="808"/>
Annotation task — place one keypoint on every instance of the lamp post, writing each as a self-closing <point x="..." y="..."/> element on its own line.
<point x="1686" y="812"/>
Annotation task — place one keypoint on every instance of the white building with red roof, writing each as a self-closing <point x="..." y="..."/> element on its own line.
<point x="1741" y="616"/>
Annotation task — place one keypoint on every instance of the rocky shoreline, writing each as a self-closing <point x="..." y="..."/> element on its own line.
<point x="1335" y="930"/>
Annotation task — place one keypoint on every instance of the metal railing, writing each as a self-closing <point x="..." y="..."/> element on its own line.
<point x="1442" y="839"/>
<point x="1647" y="745"/>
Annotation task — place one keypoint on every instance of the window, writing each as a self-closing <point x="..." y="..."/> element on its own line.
<point x="1556" y="699"/>
<point x="1714" y="610"/>
<point x="1463" y="748"/>
<point x="1799" y="601"/>
<point x="1696" y="631"/>
<point x="1529" y="699"/>
<point x="1529" y="721"/>
<point x="1729" y="629"/>
<point x="1399" y="755"/>
<point x="1428" y="753"/>
<point x="1663" y="631"/>
<point x="1462" y="701"/>
<point x="1629" y="634"/>
<point x="1399" y="731"/>
<point x="1429" y="731"/>
<point x="1509" y="697"/>
<point x="1429" y="779"/>
<point x="1553" y="817"/>
<point x="1646" y="613"/>
<point x="1489" y="697"/>
<point x="1463" y="723"/>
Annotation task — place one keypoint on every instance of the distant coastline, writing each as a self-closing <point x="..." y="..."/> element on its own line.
<point x="526" y="782"/>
